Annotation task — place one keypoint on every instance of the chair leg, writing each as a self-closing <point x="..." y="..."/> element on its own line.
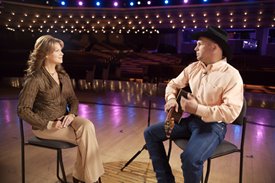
<point x="99" y="180"/>
<point x="22" y="150"/>
<point x="60" y="162"/>
<point x="241" y="168"/>
<point x="207" y="170"/>
<point x="169" y="149"/>
<point x="23" y="162"/>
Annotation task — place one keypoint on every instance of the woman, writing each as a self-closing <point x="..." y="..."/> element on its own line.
<point x="48" y="102"/>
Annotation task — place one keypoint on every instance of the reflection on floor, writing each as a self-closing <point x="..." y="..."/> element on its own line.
<point x="119" y="110"/>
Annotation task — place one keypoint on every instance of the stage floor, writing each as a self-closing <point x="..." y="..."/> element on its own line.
<point x="119" y="110"/>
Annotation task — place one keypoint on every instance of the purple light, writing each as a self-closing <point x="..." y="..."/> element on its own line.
<point x="116" y="113"/>
<point x="84" y="110"/>
<point x="115" y="3"/>
<point x="80" y="3"/>
<point x="148" y="2"/>
<point x="185" y="1"/>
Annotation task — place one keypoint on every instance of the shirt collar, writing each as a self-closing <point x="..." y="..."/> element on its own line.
<point x="215" y="66"/>
<point x="45" y="71"/>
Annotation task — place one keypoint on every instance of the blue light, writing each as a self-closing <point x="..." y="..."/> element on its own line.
<point x="63" y="3"/>
<point x="98" y="3"/>
<point x="131" y="3"/>
<point x="166" y="2"/>
<point x="205" y="1"/>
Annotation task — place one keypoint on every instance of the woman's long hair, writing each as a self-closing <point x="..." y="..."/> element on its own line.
<point x="43" y="46"/>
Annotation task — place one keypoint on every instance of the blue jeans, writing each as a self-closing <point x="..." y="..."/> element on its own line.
<point x="203" y="140"/>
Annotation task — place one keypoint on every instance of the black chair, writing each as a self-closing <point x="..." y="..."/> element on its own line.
<point x="50" y="144"/>
<point x="225" y="148"/>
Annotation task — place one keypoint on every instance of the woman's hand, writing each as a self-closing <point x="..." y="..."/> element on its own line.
<point x="67" y="120"/>
<point x="57" y="124"/>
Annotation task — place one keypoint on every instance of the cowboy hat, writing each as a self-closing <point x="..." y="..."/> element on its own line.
<point x="217" y="35"/>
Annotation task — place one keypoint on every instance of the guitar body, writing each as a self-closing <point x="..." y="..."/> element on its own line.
<point x="174" y="116"/>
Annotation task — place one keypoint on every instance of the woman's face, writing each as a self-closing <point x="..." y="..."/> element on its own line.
<point x="56" y="56"/>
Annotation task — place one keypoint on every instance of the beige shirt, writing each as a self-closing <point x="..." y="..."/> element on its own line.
<point x="42" y="100"/>
<point x="217" y="87"/>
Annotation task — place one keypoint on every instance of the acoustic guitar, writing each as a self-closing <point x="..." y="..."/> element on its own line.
<point x="174" y="116"/>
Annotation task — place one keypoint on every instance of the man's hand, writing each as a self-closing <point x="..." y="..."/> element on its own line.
<point x="190" y="104"/>
<point x="171" y="103"/>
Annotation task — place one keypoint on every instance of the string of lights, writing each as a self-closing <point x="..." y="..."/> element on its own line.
<point x="22" y="17"/>
<point x="125" y="3"/>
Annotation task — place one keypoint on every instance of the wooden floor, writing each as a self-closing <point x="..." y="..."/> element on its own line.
<point x="119" y="112"/>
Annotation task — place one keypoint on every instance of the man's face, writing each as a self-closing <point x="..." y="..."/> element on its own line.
<point x="204" y="50"/>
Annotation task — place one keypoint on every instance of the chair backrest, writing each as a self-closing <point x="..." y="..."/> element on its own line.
<point x="240" y="119"/>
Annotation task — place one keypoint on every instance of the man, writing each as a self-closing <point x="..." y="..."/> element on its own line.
<point x="216" y="99"/>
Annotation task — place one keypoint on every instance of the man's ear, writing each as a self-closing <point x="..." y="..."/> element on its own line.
<point x="216" y="47"/>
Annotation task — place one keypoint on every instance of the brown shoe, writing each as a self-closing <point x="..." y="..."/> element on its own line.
<point x="75" y="180"/>
<point x="99" y="180"/>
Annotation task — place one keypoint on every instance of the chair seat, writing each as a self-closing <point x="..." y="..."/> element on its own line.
<point x="54" y="144"/>
<point x="224" y="148"/>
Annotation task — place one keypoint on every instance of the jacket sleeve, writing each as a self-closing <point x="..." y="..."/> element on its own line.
<point x="26" y="101"/>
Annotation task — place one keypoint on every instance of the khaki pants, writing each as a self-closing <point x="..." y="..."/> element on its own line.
<point x="88" y="166"/>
